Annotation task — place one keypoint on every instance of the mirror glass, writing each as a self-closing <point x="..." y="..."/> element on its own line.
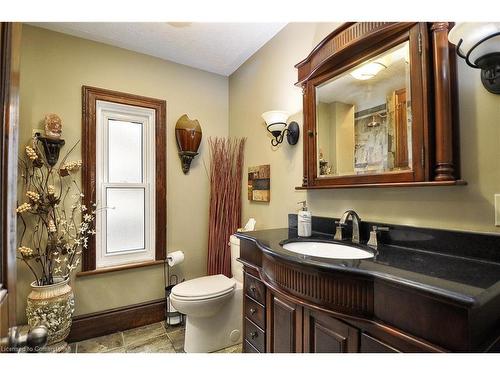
<point x="363" y="117"/>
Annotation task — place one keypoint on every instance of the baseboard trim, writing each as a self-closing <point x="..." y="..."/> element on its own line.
<point x="109" y="321"/>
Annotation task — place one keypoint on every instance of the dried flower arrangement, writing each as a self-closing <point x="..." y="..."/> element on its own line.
<point x="60" y="224"/>
<point x="226" y="168"/>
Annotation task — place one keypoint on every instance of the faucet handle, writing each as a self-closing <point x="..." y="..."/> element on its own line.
<point x="373" y="241"/>
<point x="338" y="231"/>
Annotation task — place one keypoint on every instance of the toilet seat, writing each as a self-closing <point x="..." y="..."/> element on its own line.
<point x="203" y="288"/>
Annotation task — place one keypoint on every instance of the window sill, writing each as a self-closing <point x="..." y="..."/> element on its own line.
<point x="120" y="268"/>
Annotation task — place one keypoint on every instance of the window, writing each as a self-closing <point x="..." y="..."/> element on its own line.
<point x="124" y="159"/>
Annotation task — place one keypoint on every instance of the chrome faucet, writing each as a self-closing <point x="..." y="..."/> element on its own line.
<point x="355" y="226"/>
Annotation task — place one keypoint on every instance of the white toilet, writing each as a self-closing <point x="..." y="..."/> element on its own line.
<point x="213" y="307"/>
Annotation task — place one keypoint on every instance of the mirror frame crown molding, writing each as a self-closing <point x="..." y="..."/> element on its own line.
<point x="434" y="99"/>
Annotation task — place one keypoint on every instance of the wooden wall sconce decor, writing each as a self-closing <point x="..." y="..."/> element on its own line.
<point x="188" y="135"/>
<point x="405" y="133"/>
<point x="51" y="142"/>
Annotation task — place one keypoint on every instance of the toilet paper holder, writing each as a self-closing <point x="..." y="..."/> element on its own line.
<point x="172" y="316"/>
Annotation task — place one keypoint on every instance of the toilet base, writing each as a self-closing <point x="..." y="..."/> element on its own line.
<point x="224" y="329"/>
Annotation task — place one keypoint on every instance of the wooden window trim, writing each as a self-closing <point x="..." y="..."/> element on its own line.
<point x="90" y="95"/>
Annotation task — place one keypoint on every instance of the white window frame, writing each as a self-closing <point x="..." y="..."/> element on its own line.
<point x="106" y="111"/>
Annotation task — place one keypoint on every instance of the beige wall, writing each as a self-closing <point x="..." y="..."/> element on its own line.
<point x="53" y="69"/>
<point x="265" y="82"/>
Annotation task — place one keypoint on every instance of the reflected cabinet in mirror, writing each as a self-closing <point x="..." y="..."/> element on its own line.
<point x="379" y="107"/>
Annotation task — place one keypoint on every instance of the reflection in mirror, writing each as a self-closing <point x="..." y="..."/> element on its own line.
<point x="363" y="117"/>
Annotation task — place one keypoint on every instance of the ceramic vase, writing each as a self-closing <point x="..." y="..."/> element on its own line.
<point x="53" y="307"/>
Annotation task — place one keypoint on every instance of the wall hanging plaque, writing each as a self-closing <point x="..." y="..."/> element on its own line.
<point x="259" y="183"/>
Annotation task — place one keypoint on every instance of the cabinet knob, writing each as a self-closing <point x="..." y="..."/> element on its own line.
<point x="252" y="311"/>
<point x="253" y="289"/>
<point x="253" y="335"/>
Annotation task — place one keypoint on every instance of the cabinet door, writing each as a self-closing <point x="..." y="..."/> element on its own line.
<point x="325" y="334"/>
<point x="284" y="322"/>
<point x="372" y="345"/>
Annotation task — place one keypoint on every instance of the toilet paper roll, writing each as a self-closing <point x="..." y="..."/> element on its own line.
<point x="175" y="258"/>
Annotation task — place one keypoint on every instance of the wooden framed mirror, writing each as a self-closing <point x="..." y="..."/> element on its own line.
<point x="380" y="107"/>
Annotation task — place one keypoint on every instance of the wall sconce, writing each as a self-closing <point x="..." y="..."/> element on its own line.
<point x="51" y="148"/>
<point x="52" y="142"/>
<point x="188" y="135"/>
<point x="477" y="45"/>
<point x="277" y="126"/>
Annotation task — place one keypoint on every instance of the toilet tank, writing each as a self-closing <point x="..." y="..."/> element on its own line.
<point x="236" y="267"/>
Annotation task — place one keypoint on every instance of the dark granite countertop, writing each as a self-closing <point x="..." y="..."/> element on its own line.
<point x="465" y="280"/>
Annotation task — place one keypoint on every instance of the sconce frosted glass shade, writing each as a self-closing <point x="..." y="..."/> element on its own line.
<point x="368" y="71"/>
<point x="276" y="127"/>
<point x="273" y="118"/>
<point x="472" y="33"/>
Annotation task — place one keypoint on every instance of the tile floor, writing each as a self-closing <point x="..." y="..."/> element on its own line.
<point x="153" y="338"/>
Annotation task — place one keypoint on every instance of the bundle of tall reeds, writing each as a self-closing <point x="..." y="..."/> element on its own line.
<point x="226" y="168"/>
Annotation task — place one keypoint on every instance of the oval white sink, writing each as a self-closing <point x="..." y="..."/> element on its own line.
<point x="328" y="250"/>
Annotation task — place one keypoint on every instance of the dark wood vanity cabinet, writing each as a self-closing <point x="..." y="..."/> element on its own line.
<point x="295" y="308"/>
<point x="254" y="314"/>
<point x="370" y="344"/>
<point x="284" y="324"/>
<point x="325" y="334"/>
<point x="280" y="325"/>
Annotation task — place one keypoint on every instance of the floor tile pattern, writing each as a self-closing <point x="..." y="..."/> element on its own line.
<point x="153" y="338"/>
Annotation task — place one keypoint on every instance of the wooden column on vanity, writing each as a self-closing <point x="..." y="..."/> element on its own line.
<point x="306" y="140"/>
<point x="444" y="167"/>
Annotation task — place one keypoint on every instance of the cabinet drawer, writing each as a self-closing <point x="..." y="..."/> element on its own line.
<point x="255" y="289"/>
<point x="254" y="335"/>
<point x="255" y="312"/>
<point x="248" y="348"/>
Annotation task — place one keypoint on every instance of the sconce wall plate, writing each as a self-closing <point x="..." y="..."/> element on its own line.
<point x="293" y="133"/>
<point x="490" y="76"/>
<point x="188" y="135"/>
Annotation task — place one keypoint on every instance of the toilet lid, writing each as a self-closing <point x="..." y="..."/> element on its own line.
<point x="204" y="287"/>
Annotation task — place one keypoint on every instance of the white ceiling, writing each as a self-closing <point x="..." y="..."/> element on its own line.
<point x="215" y="47"/>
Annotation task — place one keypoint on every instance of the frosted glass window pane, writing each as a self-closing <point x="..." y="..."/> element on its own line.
<point x="124" y="151"/>
<point x="125" y="223"/>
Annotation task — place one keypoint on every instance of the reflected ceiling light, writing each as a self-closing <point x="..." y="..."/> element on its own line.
<point x="368" y="71"/>
<point x="276" y="122"/>
<point x="478" y="43"/>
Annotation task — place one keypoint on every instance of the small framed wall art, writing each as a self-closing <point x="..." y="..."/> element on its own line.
<point x="259" y="183"/>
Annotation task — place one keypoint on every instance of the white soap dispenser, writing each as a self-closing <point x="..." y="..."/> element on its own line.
<point x="304" y="227"/>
